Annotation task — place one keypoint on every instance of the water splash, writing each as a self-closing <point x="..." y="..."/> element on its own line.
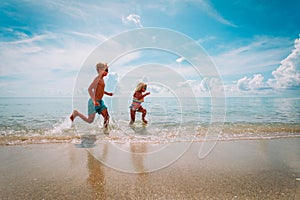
<point x="61" y="127"/>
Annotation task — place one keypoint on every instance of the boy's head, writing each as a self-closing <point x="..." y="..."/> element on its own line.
<point x="102" y="68"/>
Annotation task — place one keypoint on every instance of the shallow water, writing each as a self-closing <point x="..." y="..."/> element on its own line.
<point x="41" y="120"/>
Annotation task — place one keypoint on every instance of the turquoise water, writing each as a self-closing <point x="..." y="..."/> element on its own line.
<point x="170" y="119"/>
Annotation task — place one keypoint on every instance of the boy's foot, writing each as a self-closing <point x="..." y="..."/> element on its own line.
<point x="131" y="122"/>
<point x="105" y="124"/>
<point x="74" y="114"/>
<point x="72" y="117"/>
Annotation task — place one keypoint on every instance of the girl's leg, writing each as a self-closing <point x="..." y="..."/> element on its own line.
<point x="105" y="115"/>
<point x="132" y="116"/>
<point x="144" y="112"/>
<point x="88" y="119"/>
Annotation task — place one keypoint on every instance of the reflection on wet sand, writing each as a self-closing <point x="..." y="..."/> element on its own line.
<point x="140" y="131"/>
<point x="100" y="176"/>
<point x="96" y="176"/>
<point x="273" y="155"/>
<point x="138" y="151"/>
<point x="137" y="154"/>
<point x="87" y="141"/>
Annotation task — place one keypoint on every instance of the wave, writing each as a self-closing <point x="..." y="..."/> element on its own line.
<point x="121" y="132"/>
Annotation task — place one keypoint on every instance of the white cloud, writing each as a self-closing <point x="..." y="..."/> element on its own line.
<point x="209" y="9"/>
<point x="136" y="19"/>
<point x="203" y="85"/>
<point x="261" y="54"/>
<point x="255" y="83"/>
<point x="155" y="89"/>
<point x="79" y="10"/>
<point x="243" y="83"/>
<point x="88" y="35"/>
<point x="28" y="40"/>
<point x="208" y="86"/>
<point x="286" y="76"/>
<point x="42" y="63"/>
<point x="175" y="6"/>
<point x="180" y="60"/>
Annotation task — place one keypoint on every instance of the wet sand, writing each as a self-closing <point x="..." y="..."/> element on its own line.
<point x="245" y="169"/>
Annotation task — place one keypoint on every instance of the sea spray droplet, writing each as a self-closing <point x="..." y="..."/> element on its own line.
<point x="60" y="127"/>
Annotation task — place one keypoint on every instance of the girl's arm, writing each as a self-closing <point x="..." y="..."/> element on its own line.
<point x="145" y="94"/>
<point x="139" y="95"/>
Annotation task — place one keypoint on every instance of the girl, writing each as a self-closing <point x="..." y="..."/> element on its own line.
<point x="138" y="98"/>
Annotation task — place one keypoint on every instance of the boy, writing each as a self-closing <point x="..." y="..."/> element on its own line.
<point x="96" y="92"/>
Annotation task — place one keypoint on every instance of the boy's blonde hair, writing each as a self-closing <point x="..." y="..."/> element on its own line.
<point x="102" y="66"/>
<point x="140" y="86"/>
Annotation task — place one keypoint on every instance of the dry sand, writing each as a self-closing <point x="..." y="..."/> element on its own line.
<point x="248" y="169"/>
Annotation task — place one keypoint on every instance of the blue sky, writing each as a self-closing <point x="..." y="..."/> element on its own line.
<point x="254" y="43"/>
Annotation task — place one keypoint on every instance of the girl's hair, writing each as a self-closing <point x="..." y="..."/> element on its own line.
<point x="140" y="86"/>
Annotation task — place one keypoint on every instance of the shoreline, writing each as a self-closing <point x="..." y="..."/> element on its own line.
<point x="235" y="169"/>
<point x="29" y="140"/>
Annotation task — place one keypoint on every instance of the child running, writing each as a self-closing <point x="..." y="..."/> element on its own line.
<point x="138" y="98"/>
<point x="95" y="103"/>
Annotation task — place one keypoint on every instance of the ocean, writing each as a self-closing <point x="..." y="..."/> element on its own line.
<point x="43" y="120"/>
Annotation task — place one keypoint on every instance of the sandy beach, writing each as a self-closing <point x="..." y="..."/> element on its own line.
<point x="241" y="169"/>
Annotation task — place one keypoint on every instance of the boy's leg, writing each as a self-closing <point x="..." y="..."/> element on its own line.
<point x="132" y="115"/>
<point x="91" y="118"/>
<point x="105" y="115"/>
<point x="88" y="119"/>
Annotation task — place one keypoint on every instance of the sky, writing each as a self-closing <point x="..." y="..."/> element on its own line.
<point x="254" y="44"/>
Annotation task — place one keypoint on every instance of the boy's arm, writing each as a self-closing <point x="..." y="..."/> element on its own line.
<point x="108" y="93"/>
